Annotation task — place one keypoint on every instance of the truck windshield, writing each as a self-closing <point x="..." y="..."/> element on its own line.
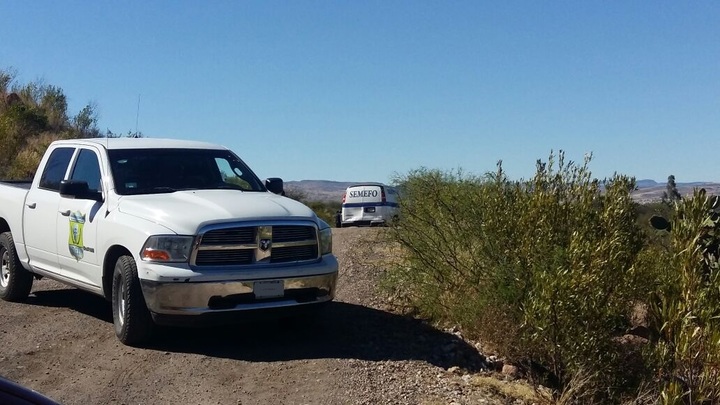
<point x="147" y="171"/>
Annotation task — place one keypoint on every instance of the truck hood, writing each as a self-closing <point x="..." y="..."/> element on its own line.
<point x="186" y="211"/>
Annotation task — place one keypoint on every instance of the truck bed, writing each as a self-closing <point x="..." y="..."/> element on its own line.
<point x="17" y="183"/>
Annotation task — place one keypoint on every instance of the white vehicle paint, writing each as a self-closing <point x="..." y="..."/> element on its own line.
<point x="369" y="204"/>
<point x="171" y="232"/>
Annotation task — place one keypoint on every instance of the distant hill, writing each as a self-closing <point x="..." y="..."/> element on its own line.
<point x="320" y="190"/>
<point x="648" y="190"/>
<point x="647" y="183"/>
<point x="652" y="191"/>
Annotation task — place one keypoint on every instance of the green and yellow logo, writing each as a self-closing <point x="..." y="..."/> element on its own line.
<point x="75" y="239"/>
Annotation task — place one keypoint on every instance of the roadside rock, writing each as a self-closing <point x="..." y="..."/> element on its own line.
<point x="511" y="371"/>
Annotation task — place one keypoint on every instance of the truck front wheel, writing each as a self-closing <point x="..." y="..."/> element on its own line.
<point x="15" y="281"/>
<point x="132" y="320"/>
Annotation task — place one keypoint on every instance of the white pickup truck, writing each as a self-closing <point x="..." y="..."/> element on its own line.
<point x="170" y="232"/>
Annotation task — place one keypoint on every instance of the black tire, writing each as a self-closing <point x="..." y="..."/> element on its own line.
<point x="15" y="281"/>
<point x="131" y="317"/>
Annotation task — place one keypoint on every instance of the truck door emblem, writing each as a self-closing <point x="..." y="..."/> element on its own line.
<point x="265" y="244"/>
<point x="75" y="239"/>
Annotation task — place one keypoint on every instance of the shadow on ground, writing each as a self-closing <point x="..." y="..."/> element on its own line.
<point x="76" y="300"/>
<point x="343" y="330"/>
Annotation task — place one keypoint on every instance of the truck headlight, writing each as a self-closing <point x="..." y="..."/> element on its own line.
<point x="167" y="248"/>
<point x="325" y="239"/>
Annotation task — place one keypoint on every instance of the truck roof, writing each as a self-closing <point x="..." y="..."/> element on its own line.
<point x="141" y="143"/>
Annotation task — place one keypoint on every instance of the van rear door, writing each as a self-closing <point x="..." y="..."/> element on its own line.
<point x="361" y="204"/>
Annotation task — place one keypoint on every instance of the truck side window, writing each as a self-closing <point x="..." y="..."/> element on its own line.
<point x="55" y="168"/>
<point x="87" y="169"/>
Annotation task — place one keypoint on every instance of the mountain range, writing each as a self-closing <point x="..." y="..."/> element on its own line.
<point x="331" y="191"/>
<point x="319" y="190"/>
<point x="652" y="191"/>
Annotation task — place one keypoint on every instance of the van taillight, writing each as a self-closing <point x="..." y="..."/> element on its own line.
<point x="344" y="194"/>
<point x="382" y="194"/>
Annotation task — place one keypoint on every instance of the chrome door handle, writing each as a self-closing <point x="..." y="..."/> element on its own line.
<point x="65" y="213"/>
<point x="31" y="205"/>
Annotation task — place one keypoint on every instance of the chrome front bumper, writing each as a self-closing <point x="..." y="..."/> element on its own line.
<point x="200" y="298"/>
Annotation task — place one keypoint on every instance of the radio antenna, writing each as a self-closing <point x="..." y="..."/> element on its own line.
<point x="137" y="116"/>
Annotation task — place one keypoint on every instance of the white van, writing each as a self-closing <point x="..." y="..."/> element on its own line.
<point x="369" y="204"/>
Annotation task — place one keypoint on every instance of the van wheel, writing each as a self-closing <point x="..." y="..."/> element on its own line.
<point x="15" y="281"/>
<point x="338" y="220"/>
<point x="132" y="320"/>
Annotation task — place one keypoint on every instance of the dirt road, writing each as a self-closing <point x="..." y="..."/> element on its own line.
<point x="61" y="343"/>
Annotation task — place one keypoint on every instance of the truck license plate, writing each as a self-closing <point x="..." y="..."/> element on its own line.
<point x="268" y="289"/>
<point x="370" y="209"/>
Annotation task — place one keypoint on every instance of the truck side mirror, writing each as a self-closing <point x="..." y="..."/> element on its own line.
<point x="78" y="190"/>
<point x="274" y="185"/>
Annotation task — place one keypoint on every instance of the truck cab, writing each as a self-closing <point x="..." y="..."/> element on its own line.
<point x="170" y="232"/>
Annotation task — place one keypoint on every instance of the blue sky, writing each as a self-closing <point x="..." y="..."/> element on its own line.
<point x="361" y="90"/>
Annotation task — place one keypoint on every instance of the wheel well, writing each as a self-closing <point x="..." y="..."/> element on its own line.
<point x="4" y="227"/>
<point x="109" y="266"/>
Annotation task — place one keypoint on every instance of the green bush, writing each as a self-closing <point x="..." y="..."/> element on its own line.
<point x="685" y="310"/>
<point x="31" y="117"/>
<point x="541" y="270"/>
<point x="324" y="210"/>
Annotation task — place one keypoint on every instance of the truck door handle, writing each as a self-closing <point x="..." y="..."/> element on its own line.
<point x="65" y="213"/>
<point x="31" y="205"/>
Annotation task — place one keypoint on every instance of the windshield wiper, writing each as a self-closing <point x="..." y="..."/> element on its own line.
<point x="226" y="186"/>
<point x="153" y="190"/>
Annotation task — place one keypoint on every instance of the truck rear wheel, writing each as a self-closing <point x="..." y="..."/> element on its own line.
<point x="15" y="281"/>
<point x="132" y="320"/>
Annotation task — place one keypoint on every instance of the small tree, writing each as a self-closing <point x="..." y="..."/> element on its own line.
<point x="671" y="194"/>
<point x="130" y="134"/>
<point x="85" y="123"/>
<point x="6" y="79"/>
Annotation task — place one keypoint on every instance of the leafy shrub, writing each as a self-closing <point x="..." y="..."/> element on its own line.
<point x="541" y="269"/>
<point x="32" y="116"/>
<point x="685" y="310"/>
<point x="324" y="210"/>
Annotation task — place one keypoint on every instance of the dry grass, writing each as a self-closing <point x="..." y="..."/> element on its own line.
<point x="513" y="390"/>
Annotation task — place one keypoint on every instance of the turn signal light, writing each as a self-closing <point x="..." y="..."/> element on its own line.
<point x="152" y="254"/>
<point x="167" y="248"/>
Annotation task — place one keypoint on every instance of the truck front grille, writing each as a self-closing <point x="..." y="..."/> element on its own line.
<point x="265" y="244"/>
<point x="291" y="253"/>
<point x="223" y="257"/>
<point x="284" y="233"/>
<point x="232" y="236"/>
